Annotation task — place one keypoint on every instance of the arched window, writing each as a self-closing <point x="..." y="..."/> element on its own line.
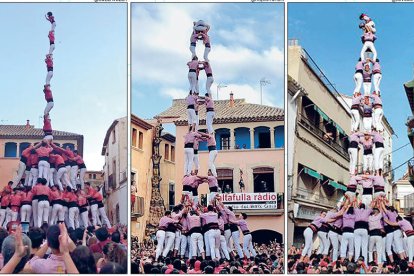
<point x="10" y="149"/>
<point x="202" y="145"/>
<point x="242" y="135"/>
<point x="279" y="137"/>
<point x="261" y="137"/>
<point x="223" y="138"/>
<point x="70" y="145"/>
<point x="225" y="180"/>
<point x="22" y="147"/>
<point x="263" y="179"/>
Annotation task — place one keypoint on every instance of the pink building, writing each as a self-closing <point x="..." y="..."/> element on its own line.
<point x="250" y="141"/>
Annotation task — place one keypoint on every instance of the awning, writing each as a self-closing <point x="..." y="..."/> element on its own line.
<point x="313" y="173"/>
<point x="323" y="115"/>
<point x="336" y="185"/>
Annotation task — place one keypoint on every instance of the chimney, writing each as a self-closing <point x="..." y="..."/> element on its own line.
<point x="231" y="100"/>
<point x="27" y="124"/>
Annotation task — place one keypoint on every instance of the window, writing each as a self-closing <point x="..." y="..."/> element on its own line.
<point x="263" y="179"/>
<point x="94" y="176"/>
<point x="112" y="177"/>
<point x="113" y="136"/>
<point x="262" y="137"/>
<point x="222" y="138"/>
<point x="90" y="176"/>
<point x="242" y="135"/>
<point x="171" y="195"/>
<point x="279" y="137"/>
<point x="225" y="180"/>
<point x="166" y="152"/>
<point x="10" y="149"/>
<point x="22" y="147"/>
<point x="134" y="137"/>
<point x="117" y="213"/>
<point x="172" y="154"/>
<point x="140" y="140"/>
<point x="70" y="145"/>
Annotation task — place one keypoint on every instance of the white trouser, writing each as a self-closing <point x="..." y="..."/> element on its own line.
<point x="177" y="240"/>
<point x="169" y="243"/>
<point x="361" y="243"/>
<point x="248" y="246"/>
<point x="53" y="26"/>
<point x="214" y="243"/>
<point x="20" y="172"/>
<point x="94" y="214"/>
<point x="104" y="217"/>
<point x="74" y="217"/>
<point x="62" y="176"/>
<point x="14" y="215"/>
<point x="367" y="88"/>
<point x="206" y="52"/>
<point x="84" y="218"/>
<point x="82" y="177"/>
<point x="209" y="121"/>
<point x="44" y="167"/>
<point x="375" y="241"/>
<point x="207" y="244"/>
<point x="398" y="241"/>
<point x="51" y="178"/>
<point x="190" y="246"/>
<point x="73" y="174"/>
<point x="27" y="177"/>
<point x="308" y="235"/>
<point x="49" y="76"/>
<point x="66" y="215"/>
<point x="367" y="162"/>
<point x="334" y="238"/>
<point x="210" y="196"/>
<point x="368" y="45"/>
<point x="196" y="162"/>
<point x="377" y="80"/>
<point x="211" y="159"/>
<point x="35" y="202"/>
<point x="25" y="213"/>
<point x="42" y="212"/>
<point x="192" y="50"/>
<point x="2" y="216"/>
<point x="34" y="173"/>
<point x="347" y="245"/>
<point x="353" y="156"/>
<point x="58" y="213"/>
<point x="191" y="116"/>
<point x="236" y="243"/>
<point x="160" y="243"/>
<point x="188" y="160"/>
<point x="323" y="243"/>
<point x="196" y="243"/>
<point x="227" y="236"/>
<point x="379" y="194"/>
<point x="410" y="248"/>
<point x="366" y="199"/>
<point x="355" y="119"/>
<point x="51" y="48"/>
<point x="183" y="245"/>
<point x="377" y="115"/>
<point x="48" y="107"/>
<point x="358" y="82"/>
<point x="197" y="122"/>
<point x="378" y="158"/>
<point x="223" y="247"/>
<point x="192" y="79"/>
<point x="8" y="216"/>
<point x="367" y="123"/>
<point x="209" y="82"/>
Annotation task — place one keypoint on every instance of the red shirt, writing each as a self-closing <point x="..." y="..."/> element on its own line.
<point x="41" y="190"/>
<point x="51" y="36"/>
<point x="97" y="247"/>
<point x="49" y="62"/>
<point x="43" y="151"/>
<point x="47" y="124"/>
<point x="33" y="159"/>
<point x="26" y="152"/>
<point x="15" y="202"/>
<point x="48" y="93"/>
<point x="56" y="159"/>
<point x="79" y="160"/>
<point x="55" y="195"/>
<point x="5" y="200"/>
<point x="82" y="200"/>
<point x="90" y="192"/>
<point x="98" y="196"/>
<point x="27" y="197"/>
<point x="71" y="197"/>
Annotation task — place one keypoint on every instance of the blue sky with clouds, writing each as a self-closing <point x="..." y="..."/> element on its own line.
<point x="90" y="68"/>
<point x="329" y="32"/>
<point x="247" y="44"/>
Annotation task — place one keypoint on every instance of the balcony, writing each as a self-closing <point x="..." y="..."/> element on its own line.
<point x="317" y="131"/>
<point x="137" y="208"/>
<point x="315" y="197"/>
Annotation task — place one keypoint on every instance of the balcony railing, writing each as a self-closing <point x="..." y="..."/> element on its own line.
<point x="315" y="197"/>
<point x="320" y="133"/>
<point x="137" y="208"/>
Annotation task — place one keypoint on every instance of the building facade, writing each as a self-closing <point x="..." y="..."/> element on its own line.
<point x="400" y="190"/>
<point x="318" y="166"/>
<point x="141" y="172"/>
<point x="95" y="178"/>
<point x="115" y="172"/>
<point x="250" y="144"/>
<point x="15" y="138"/>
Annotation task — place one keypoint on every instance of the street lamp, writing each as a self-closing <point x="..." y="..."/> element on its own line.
<point x="263" y="82"/>
<point x="218" y="88"/>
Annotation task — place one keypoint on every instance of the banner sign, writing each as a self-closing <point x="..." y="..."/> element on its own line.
<point x="250" y="201"/>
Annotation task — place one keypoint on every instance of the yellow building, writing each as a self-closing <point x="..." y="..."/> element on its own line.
<point x="95" y="178"/>
<point x="141" y="171"/>
<point x="15" y="138"/>
<point x="250" y="144"/>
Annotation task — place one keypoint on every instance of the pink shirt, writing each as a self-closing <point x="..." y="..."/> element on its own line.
<point x="348" y="220"/>
<point x="231" y="216"/>
<point x="356" y="100"/>
<point x="52" y="265"/>
<point x="374" y="222"/>
<point x="209" y="217"/>
<point x="243" y="225"/>
<point x="193" y="64"/>
<point x="49" y="62"/>
<point x="212" y="181"/>
<point x="405" y="225"/>
<point x="366" y="76"/>
<point x="207" y="68"/>
<point x="376" y="68"/>
<point x="184" y="224"/>
<point x="221" y="223"/>
<point x="366" y="183"/>
<point x="368" y="37"/>
<point x="355" y="137"/>
<point x="165" y="221"/>
<point x="359" y="66"/>
<point x="211" y="140"/>
<point x="366" y="144"/>
<point x="354" y="180"/>
<point x="190" y="100"/>
<point x="318" y="221"/>
<point x="193" y="221"/>
<point x="190" y="137"/>
<point x="209" y="102"/>
<point x="392" y="216"/>
<point x="377" y="180"/>
<point x="224" y="216"/>
<point x="377" y="100"/>
<point x="196" y="143"/>
<point x="377" y="137"/>
<point x="362" y="214"/>
<point x="52" y="36"/>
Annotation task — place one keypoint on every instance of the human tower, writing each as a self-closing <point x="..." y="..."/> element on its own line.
<point x="365" y="226"/>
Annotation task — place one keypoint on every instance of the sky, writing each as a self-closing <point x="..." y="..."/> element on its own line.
<point x="332" y="39"/>
<point x="246" y="45"/>
<point x="90" y="68"/>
